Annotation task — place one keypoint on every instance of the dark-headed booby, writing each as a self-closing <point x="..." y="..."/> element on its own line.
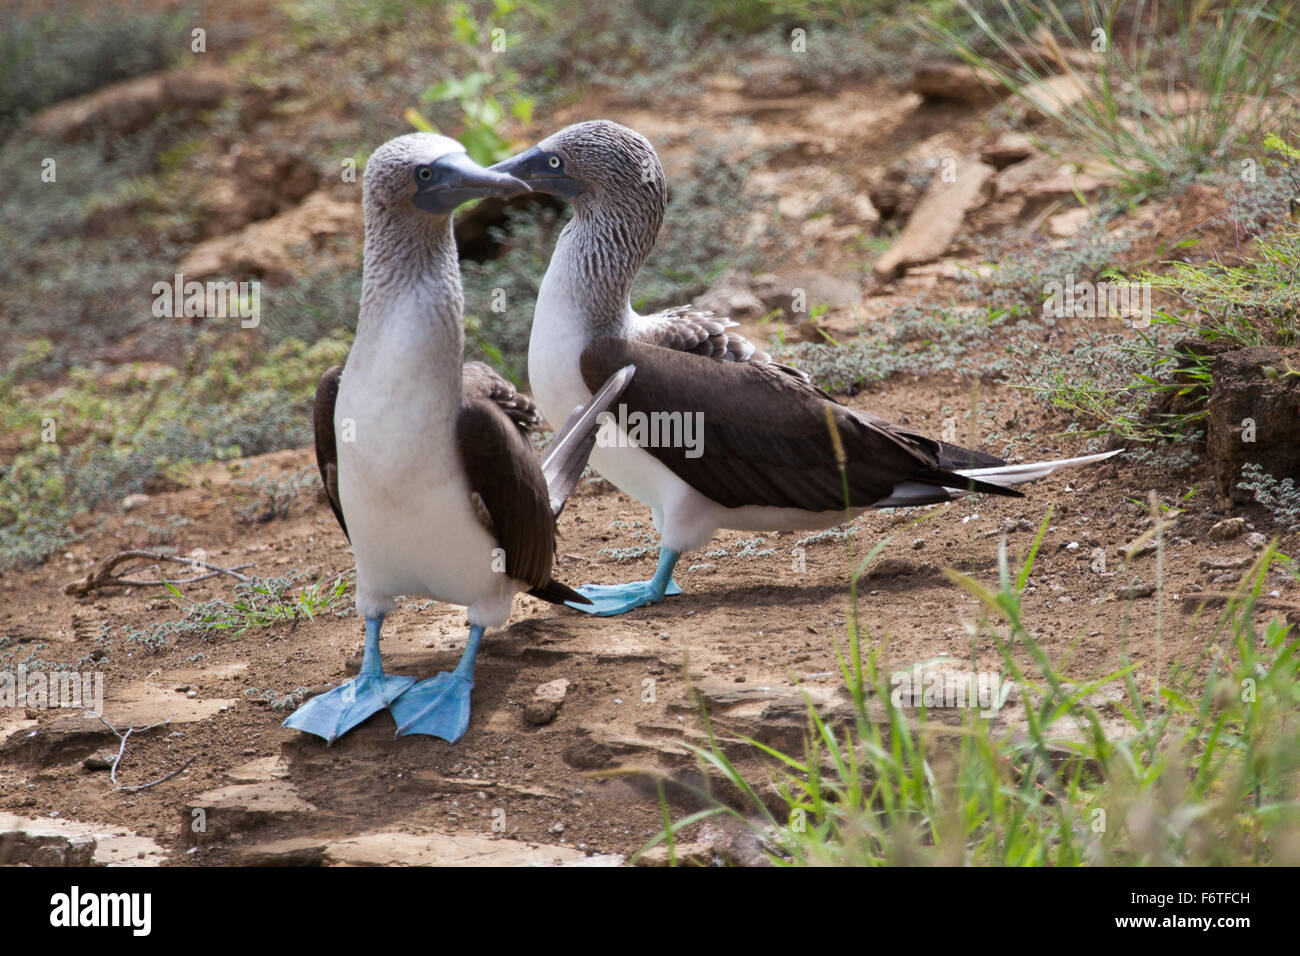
<point x="426" y="463"/>
<point x="765" y="459"/>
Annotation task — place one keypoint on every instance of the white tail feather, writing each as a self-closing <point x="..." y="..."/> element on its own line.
<point x="913" y="492"/>
<point x="1008" y="475"/>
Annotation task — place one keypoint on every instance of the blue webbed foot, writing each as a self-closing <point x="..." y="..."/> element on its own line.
<point x="439" y="706"/>
<point x="607" y="600"/>
<point x="335" y="712"/>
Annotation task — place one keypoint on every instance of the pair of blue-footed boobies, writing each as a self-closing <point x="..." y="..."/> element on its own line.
<point x="767" y="460"/>
<point x="434" y="480"/>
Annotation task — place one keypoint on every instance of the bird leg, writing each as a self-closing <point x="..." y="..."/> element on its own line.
<point x="439" y="706"/>
<point x="335" y="712"/>
<point x="607" y="600"/>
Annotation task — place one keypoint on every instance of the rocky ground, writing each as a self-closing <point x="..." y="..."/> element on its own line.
<point x="577" y="718"/>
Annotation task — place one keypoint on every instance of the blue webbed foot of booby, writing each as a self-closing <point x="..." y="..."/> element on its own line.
<point x="335" y="712"/>
<point x="608" y="600"/>
<point x="439" y="706"/>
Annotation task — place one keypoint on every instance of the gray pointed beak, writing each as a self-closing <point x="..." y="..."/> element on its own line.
<point x="533" y="166"/>
<point x="457" y="179"/>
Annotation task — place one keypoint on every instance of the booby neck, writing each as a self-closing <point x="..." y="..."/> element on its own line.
<point x="599" y="254"/>
<point x="411" y="293"/>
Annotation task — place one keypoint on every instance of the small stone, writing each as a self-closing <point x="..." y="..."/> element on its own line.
<point x="1067" y="224"/>
<point x="131" y="502"/>
<point x="539" y="712"/>
<point x="1228" y="529"/>
<point x="100" y="760"/>
<point x="1134" y="591"/>
<point x="554" y="690"/>
<point x="1072" y="546"/>
<point x="1256" y="541"/>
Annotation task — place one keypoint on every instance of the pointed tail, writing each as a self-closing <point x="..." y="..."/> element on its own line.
<point x="912" y="493"/>
<point x="1008" y="475"/>
<point x="566" y="456"/>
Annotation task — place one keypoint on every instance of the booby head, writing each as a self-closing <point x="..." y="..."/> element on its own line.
<point x="428" y="173"/>
<point x="595" y="164"/>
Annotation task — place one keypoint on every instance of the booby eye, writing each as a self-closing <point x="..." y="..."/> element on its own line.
<point x="554" y="162"/>
<point x="425" y="173"/>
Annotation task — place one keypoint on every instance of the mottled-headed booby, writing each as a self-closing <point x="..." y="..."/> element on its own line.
<point x="427" y="464"/>
<point x="765" y="459"/>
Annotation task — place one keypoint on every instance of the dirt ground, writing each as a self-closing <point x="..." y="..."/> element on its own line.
<point x="754" y="625"/>
<point x="746" y="632"/>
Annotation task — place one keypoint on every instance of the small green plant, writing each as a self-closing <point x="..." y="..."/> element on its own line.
<point x="1254" y="303"/>
<point x="1280" y="498"/>
<point x="263" y="602"/>
<point x="484" y="96"/>
<point x="273" y="497"/>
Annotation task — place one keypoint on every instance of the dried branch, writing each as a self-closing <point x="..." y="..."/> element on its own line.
<point x="153" y="783"/>
<point x="121" y="752"/>
<point x="105" y="575"/>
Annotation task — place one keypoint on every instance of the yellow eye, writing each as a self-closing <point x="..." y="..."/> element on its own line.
<point x="554" y="162"/>
<point x="425" y="174"/>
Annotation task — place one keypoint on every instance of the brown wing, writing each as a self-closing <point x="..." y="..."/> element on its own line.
<point x="327" y="459"/>
<point x="765" y="437"/>
<point x="506" y="477"/>
<point x="480" y="381"/>
<point x="684" y="329"/>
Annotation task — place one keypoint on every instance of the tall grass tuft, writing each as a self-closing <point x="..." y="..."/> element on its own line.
<point x="1198" y="766"/>
<point x="1171" y="88"/>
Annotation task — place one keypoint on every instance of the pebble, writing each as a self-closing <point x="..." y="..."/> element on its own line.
<point x="1228" y="529"/>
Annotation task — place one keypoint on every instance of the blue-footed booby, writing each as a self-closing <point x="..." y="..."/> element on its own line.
<point x="427" y="464"/>
<point x="766" y="458"/>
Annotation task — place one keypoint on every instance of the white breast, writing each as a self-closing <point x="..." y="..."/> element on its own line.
<point x="404" y="494"/>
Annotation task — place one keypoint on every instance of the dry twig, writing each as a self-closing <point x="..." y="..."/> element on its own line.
<point x="105" y="575"/>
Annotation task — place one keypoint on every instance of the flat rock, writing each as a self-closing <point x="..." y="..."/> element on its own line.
<point x="261" y="770"/>
<point x="122" y="108"/>
<point x="958" y="82"/>
<point x="1006" y="150"/>
<point x="1068" y="223"/>
<point x="782" y="290"/>
<point x="453" y="849"/>
<point x="269" y="248"/>
<point x="684" y="854"/>
<point x="239" y="808"/>
<point x="936" y="219"/>
<point x="554" y="690"/>
<point x="296" y="851"/>
<point x="731" y="295"/>
<point x="78" y="735"/>
<point x="1051" y="96"/>
<point x="56" y="842"/>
